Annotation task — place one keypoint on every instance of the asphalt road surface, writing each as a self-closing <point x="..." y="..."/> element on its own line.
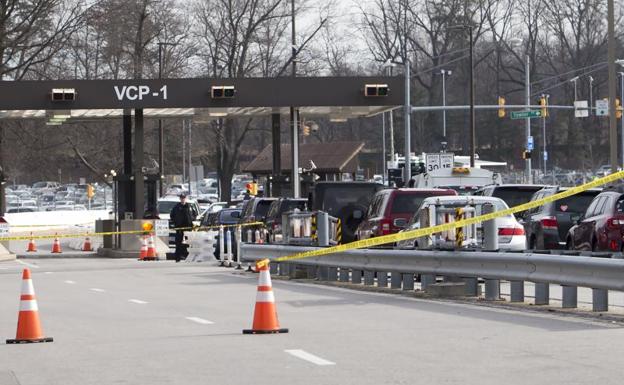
<point x="130" y="322"/>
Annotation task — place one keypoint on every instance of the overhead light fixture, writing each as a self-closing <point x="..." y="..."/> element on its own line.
<point x="217" y="114"/>
<point x="222" y="92"/>
<point x="376" y="90"/>
<point x="63" y="94"/>
<point x="51" y="123"/>
<point x="337" y="119"/>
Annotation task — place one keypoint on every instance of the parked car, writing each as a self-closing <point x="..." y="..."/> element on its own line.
<point x="391" y="210"/>
<point x="223" y="217"/>
<point x="601" y="227"/>
<point x="273" y="219"/>
<point x="347" y="201"/>
<point x="254" y="210"/>
<point x="547" y="226"/>
<point x="510" y="232"/>
<point x="512" y="194"/>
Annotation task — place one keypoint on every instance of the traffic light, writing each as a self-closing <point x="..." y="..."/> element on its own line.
<point x="526" y="154"/>
<point x="618" y="109"/>
<point x="501" y="107"/>
<point x="90" y="191"/>
<point x="543" y="103"/>
<point x="222" y="92"/>
<point x="374" y="90"/>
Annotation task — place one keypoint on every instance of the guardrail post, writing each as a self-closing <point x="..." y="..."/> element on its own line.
<point x="356" y="276"/>
<point x="471" y="287"/>
<point x="395" y="280"/>
<point x="332" y="274"/>
<point x="382" y="279"/>
<point x="600" y="300"/>
<point x="426" y="280"/>
<point x="569" y="297"/>
<point x="344" y="275"/>
<point x="542" y="293"/>
<point x="369" y="278"/>
<point x="492" y="289"/>
<point x="323" y="273"/>
<point x="516" y="291"/>
<point x="408" y="281"/>
<point x="283" y="268"/>
<point x="312" y="272"/>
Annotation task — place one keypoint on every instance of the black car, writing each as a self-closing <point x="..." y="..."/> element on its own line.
<point x="223" y="218"/>
<point x="546" y="227"/>
<point x="512" y="194"/>
<point x="273" y="219"/>
<point x="254" y="210"/>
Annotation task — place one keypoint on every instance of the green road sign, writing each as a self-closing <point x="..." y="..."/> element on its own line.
<point x="526" y="114"/>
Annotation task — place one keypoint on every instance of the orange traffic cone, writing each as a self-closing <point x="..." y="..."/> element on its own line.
<point x="265" y="314"/>
<point x="31" y="244"/>
<point x="86" y="246"/>
<point x="143" y="251"/>
<point x="56" y="246"/>
<point x="28" y="325"/>
<point x="151" y="249"/>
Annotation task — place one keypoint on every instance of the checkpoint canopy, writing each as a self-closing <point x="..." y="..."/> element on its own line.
<point x="336" y="97"/>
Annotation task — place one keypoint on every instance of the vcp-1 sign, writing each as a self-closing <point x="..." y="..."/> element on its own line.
<point x="437" y="161"/>
<point x="139" y="92"/>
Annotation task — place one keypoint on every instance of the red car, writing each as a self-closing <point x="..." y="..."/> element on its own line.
<point x="602" y="225"/>
<point x="391" y="209"/>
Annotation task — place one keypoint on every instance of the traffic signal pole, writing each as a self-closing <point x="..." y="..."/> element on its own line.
<point x="527" y="79"/>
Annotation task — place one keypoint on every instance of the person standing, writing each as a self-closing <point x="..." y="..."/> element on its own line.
<point x="182" y="216"/>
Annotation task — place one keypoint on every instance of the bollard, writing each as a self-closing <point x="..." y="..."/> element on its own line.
<point x="569" y="297"/>
<point x="369" y="278"/>
<point x="382" y="279"/>
<point x="542" y="293"/>
<point x="221" y="246"/>
<point x="471" y="287"/>
<point x="426" y="280"/>
<point x="228" y="244"/>
<point x="343" y="275"/>
<point x="516" y="291"/>
<point x="395" y="280"/>
<point x="600" y="300"/>
<point x="239" y="239"/>
<point x="408" y="282"/>
<point x="332" y="274"/>
<point x="492" y="289"/>
<point x="356" y="276"/>
<point x="249" y="236"/>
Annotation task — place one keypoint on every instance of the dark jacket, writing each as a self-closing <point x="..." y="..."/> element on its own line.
<point x="182" y="215"/>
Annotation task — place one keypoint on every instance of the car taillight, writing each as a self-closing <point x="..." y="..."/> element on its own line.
<point x="385" y="226"/>
<point x="615" y="223"/>
<point x="550" y="223"/>
<point x="510" y="231"/>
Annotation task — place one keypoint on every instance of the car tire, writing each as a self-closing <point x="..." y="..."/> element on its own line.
<point x="569" y="245"/>
<point x="532" y="243"/>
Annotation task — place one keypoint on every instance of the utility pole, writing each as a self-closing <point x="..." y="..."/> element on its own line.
<point x="383" y="148"/>
<point x="408" y="111"/>
<point x="622" y="118"/>
<point x="591" y="96"/>
<point x="161" y="131"/>
<point x="294" y="140"/>
<point x="611" y="64"/>
<point x="544" y="153"/>
<point x="444" y="73"/>
<point x="472" y="101"/>
<point x="527" y="79"/>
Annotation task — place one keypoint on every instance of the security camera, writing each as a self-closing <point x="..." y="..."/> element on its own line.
<point x="312" y="165"/>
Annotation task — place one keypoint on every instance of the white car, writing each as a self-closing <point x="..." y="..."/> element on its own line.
<point x="511" y="234"/>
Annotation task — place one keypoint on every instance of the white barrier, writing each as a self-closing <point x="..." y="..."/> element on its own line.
<point x="201" y="245"/>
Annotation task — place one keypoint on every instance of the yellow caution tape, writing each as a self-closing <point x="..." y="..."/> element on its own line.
<point x="417" y="233"/>
<point x="91" y="234"/>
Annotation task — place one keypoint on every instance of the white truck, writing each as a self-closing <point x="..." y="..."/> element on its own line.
<point x="464" y="180"/>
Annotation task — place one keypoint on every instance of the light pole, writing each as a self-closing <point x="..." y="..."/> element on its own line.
<point x="591" y="95"/>
<point x="574" y="80"/>
<point x="161" y="131"/>
<point x="294" y="116"/>
<point x="527" y="79"/>
<point x="544" y="153"/>
<point x="444" y="73"/>
<point x="408" y="112"/>
<point x="621" y="63"/>
<point x="390" y="65"/>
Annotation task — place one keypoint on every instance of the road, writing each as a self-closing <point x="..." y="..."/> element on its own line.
<point x="130" y="322"/>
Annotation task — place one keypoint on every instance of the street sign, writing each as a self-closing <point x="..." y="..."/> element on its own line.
<point x="545" y="155"/>
<point x="4" y="229"/>
<point x="602" y="107"/>
<point x="447" y="159"/>
<point x="530" y="143"/>
<point x="581" y="109"/>
<point x="437" y="161"/>
<point x="526" y="114"/>
<point x="161" y="227"/>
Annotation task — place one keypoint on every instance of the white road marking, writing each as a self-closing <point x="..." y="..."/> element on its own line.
<point x="69" y="282"/>
<point x="4" y="268"/>
<point x="137" y="301"/>
<point x="309" y="357"/>
<point x="200" y="320"/>
<point x="49" y="272"/>
<point x="27" y="264"/>
<point x="97" y="290"/>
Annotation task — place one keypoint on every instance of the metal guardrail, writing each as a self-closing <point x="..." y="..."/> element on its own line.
<point x="570" y="271"/>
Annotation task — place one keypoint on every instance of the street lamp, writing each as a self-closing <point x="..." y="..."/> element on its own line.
<point x="621" y="63"/>
<point x="591" y="97"/>
<point x="574" y="80"/>
<point x="389" y="65"/>
<point x="161" y="131"/>
<point x="444" y="73"/>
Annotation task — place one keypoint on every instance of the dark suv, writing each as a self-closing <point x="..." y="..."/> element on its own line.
<point x="391" y="209"/>
<point x="273" y="219"/>
<point x="347" y="201"/>
<point x="255" y="210"/>
<point x="547" y="226"/>
<point x="228" y="216"/>
<point x="601" y="227"/>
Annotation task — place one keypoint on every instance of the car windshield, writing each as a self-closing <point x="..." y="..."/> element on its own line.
<point x="406" y="203"/>
<point x="262" y="208"/>
<point x="334" y="198"/>
<point x="226" y="218"/>
<point x="515" y="195"/>
<point x="575" y="203"/>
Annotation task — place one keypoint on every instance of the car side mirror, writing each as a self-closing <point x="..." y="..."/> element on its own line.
<point x="400" y="223"/>
<point x="358" y="214"/>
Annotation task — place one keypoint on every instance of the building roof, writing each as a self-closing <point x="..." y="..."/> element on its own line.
<point x="329" y="158"/>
